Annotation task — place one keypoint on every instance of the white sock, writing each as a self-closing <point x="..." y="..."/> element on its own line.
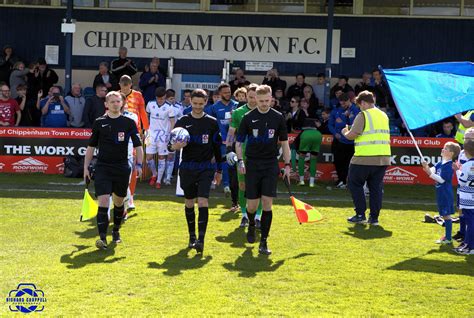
<point x="161" y="169"/>
<point x="169" y="168"/>
<point x="152" y="166"/>
<point x="311" y="180"/>
<point x="301" y="178"/>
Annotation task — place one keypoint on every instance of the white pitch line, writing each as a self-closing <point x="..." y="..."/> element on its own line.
<point x="215" y="197"/>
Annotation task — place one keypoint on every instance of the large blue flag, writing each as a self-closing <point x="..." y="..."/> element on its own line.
<point x="428" y="93"/>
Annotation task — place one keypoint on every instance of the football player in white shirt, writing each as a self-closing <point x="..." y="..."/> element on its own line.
<point x="162" y="119"/>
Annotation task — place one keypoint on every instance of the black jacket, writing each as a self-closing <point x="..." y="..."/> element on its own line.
<point x="94" y="108"/>
<point x="112" y="80"/>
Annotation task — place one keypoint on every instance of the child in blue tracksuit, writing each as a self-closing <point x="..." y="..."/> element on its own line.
<point x="442" y="173"/>
<point x="466" y="198"/>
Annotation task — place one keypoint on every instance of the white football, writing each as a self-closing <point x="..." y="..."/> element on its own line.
<point x="179" y="134"/>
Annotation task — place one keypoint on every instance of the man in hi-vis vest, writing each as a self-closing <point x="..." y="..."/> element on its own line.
<point x="371" y="135"/>
<point x="466" y="121"/>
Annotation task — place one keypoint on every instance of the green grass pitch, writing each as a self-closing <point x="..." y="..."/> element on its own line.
<point x="327" y="269"/>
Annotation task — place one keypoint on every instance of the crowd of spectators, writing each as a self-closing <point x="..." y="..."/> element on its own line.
<point x="30" y="95"/>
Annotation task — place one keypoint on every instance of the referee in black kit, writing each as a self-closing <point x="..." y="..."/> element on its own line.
<point x="196" y="171"/>
<point x="111" y="134"/>
<point x="262" y="127"/>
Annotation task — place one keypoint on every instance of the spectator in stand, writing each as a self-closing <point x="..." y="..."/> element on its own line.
<point x="7" y="60"/>
<point x="29" y="114"/>
<point x="313" y="104"/>
<point x="273" y="80"/>
<point x="8" y="108"/>
<point x="32" y="82"/>
<point x="76" y="104"/>
<point x="342" y="83"/>
<point x="44" y="77"/>
<point x="150" y="81"/>
<point x="239" y="80"/>
<point x="240" y="95"/>
<point x="365" y="84"/>
<point x="342" y="148"/>
<point x="283" y="103"/>
<point x="323" y="123"/>
<point x="106" y="78"/>
<point x="54" y="109"/>
<point x="296" y="116"/>
<point x="95" y="106"/>
<point x="17" y="77"/>
<point x="380" y="89"/>
<point x="161" y="69"/>
<point x="318" y="88"/>
<point x="448" y="130"/>
<point x="123" y="65"/>
<point x="297" y="88"/>
<point x="334" y="102"/>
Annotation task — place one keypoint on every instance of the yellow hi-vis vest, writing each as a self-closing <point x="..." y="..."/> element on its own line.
<point x="375" y="139"/>
<point x="461" y="129"/>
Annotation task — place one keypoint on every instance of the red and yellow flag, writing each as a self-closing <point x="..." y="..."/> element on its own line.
<point x="305" y="212"/>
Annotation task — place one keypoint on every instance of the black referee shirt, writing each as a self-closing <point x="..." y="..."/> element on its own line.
<point x="262" y="133"/>
<point x="205" y="141"/>
<point x="111" y="137"/>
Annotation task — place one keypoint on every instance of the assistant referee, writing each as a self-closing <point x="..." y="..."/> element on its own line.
<point x="263" y="128"/>
<point x="111" y="134"/>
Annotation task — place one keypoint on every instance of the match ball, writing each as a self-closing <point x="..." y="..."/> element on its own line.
<point x="179" y="134"/>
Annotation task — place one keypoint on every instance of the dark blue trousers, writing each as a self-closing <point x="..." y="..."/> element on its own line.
<point x="373" y="175"/>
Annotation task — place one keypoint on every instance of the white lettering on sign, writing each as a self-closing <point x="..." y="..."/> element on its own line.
<point x="205" y="42"/>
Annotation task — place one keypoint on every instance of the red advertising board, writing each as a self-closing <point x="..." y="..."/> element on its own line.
<point x="43" y="150"/>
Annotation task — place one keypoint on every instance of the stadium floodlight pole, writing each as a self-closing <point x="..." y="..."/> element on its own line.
<point x="327" y="85"/>
<point x="68" y="62"/>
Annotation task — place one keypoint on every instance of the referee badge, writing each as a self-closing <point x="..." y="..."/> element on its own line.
<point x="205" y="139"/>
<point x="255" y="132"/>
<point x="271" y="133"/>
<point x="121" y="136"/>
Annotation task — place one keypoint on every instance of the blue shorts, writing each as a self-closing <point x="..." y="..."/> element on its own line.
<point x="446" y="210"/>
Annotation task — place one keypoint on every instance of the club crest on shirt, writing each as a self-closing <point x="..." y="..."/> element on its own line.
<point x="255" y="132"/>
<point x="271" y="133"/>
<point x="205" y="139"/>
<point x="121" y="136"/>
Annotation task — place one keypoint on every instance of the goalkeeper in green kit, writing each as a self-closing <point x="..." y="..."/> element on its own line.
<point x="236" y="118"/>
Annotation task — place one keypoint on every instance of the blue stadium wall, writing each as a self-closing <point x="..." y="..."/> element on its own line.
<point x="385" y="41"/>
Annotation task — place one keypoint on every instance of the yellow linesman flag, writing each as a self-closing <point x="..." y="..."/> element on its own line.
<point x="89" y="207"/>
<point x="305" y="212"/>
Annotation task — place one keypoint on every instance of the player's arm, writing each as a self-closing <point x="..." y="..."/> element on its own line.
<point x="143" y="114"/>
<point x="285" y="146"/>
<point x="216" y="147"/>
<point x="137" y="144"/>
<point x="87" y="161"/>
<point x="241" y="136"/>
<point x="172" y="118"/>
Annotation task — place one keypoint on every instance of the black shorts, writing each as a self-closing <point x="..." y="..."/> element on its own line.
<point x="196" y="183"/>
<point x="111" y="178"/>
<point x="261" y="178"/>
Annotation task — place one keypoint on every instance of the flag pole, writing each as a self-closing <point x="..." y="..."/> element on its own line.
<point x="402" y="117"/>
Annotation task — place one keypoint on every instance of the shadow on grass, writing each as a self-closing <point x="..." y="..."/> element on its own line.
<point x="229" y="216"/>
<point x="249" y="266"/>
<point x="237" y="238"/>
<point x="179" y="262"/>
<point x="419" y="264"/>
<point x="95" y="256"/>
<point x="365" y="232"/>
